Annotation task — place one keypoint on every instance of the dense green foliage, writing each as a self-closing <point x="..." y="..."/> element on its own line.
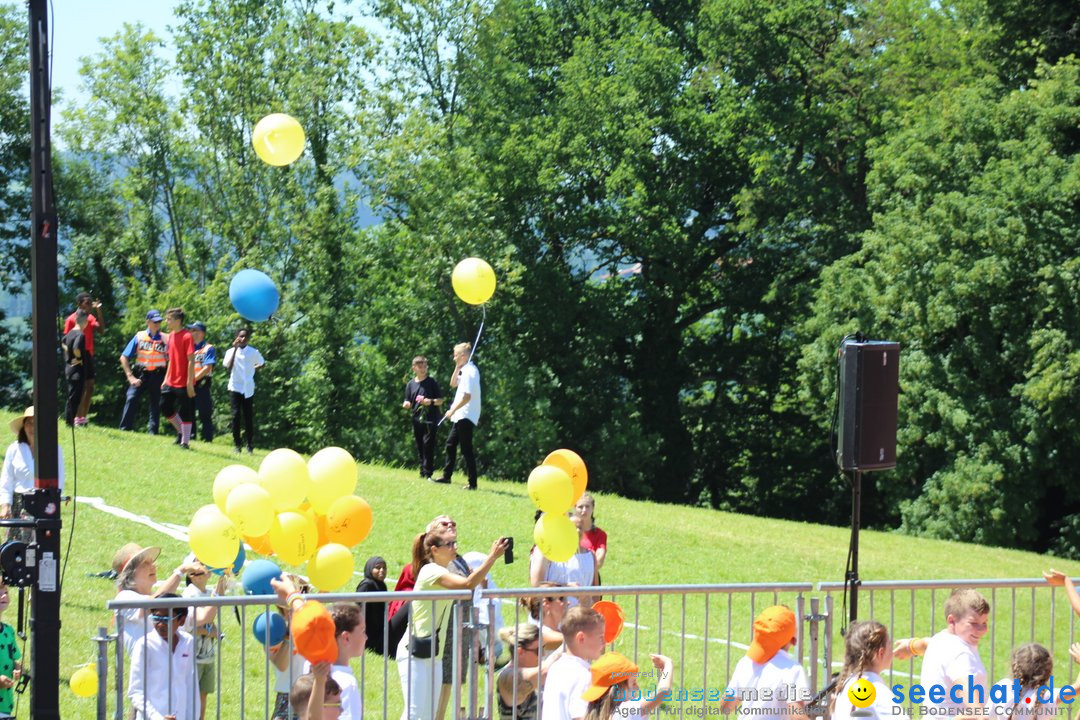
<point x="686" y="204"/>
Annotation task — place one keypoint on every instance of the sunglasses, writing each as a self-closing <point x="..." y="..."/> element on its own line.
<point x="533" y="649"/>
<point x="448" y="523"/>
<point x="452" y="543"/>
<point x="198" y="574"/>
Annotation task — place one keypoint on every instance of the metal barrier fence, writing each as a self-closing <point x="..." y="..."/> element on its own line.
<point x="704" y="628"/>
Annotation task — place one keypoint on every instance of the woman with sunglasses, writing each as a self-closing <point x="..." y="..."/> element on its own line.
<point x="419" y="667"/>
<point x="519" y="679"/>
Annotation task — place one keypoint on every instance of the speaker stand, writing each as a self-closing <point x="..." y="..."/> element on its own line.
<point x="851" y="577"/>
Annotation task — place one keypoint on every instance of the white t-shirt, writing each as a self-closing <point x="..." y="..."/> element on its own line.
<point x="284" y="679"/>
<point x="134" y="625"/>
<point x="148" y="685"/>
<point x="881" y="709"/>
<point x="566" y="682"/>
<point x="468" y="382"/>
<point x="243" y="360"/>
<point x="17" y="475"/>
<point x="765" y="688"/>
<point x="579" y="569"/>
<point x="352" y="706"/>
<point x="950" y="661"/>
<point x="1028" y="707"/>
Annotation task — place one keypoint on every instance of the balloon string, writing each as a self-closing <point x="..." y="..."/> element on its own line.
<point x="479" y="332"/>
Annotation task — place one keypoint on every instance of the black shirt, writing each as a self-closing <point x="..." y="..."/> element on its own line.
<point x="75" y="363"/>
<point x="429" y="389"/>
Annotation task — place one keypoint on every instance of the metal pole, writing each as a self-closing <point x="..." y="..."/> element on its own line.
<point x="852" y="577"/>
<point x="45" y="505"/>
<point x="103" y="638"/>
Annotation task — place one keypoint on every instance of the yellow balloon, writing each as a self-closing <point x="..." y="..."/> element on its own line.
<point x="293" y="537"/>
<point x="284" y="474"/>
<point x="551" y="489"/>
<point x="84" y="682"/>
<point x="213" y="537"/>
<point x="229" y="477"/>
<point x="333" y="475"/>
<point x="330" y="567"/>
<point x="278" y="139"/>
<point x="348" y="521"/>
<point x="250" y="508"/>
<point x="473" y="281"/>
<point x="556" y="537"/>
<point x="570" y="463"/>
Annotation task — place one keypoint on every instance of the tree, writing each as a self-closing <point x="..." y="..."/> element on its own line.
<point x="14" y="151"/>
<point x="972" y="266"/>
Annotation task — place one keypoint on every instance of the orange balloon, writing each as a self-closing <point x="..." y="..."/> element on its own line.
<point x="260" y="545"/>
<point x="571" y="463"/>
<point x="614" y="619"/>
<point x="348" y="521"/>
<point x="323" y="526"/>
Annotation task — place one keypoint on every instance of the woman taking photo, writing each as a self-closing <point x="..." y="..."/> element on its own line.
<point x="419" y="667"/>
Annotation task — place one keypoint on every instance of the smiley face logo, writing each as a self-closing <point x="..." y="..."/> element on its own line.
<point x="862" y="693"/>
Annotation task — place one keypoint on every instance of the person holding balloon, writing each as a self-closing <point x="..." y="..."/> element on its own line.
<point x="578" y="571"/>
<point x="419" y="668"/>
<point x="242" y="360"/>
<point x="201" y="625"/>
<point x="464" y="413"/>
<point x="136" y="575"/>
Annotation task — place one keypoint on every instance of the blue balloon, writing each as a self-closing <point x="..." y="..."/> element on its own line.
<point x="236" y="564"/>
<point x="257" y="577"/>
<point x="269" y="628"/>
<point x="254" y="295"/>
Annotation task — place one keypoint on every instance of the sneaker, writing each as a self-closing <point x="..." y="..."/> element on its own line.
<point x="176" y="441"/>
<point x="185" y="446"/>
<point x="81" y="422"/>
<point x="439" y="481"/>
<point x="238" y="450"/>
<point x="468" y="487"/>
<point x="251" y="450"/>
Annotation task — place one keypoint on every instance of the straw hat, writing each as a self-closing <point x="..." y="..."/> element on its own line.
<point x="17" y="423"/>
<point x="133" y="555"/>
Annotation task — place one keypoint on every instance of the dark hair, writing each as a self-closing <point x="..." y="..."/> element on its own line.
<point x="82" y="297"/>
<point x="346" y="616"/>
<point x="301" y="691"/>
<point x="180" y="611"/>
<point x="23" y="437"/>
<point x="534" y="604"/>
<point x="421" y="548"/>
<point x="177" y="312"/>
<point x="862" y="642"/>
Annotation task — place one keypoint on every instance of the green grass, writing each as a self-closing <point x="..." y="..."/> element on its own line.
<point x="649" y="544"/>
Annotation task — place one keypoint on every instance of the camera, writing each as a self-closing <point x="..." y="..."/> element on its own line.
<point x="509" y="556"/>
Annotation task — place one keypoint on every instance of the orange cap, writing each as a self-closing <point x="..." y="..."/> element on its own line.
<point x="313" y="633"/>
<point x="773" y="629"/>
<point x="611" y="669"/>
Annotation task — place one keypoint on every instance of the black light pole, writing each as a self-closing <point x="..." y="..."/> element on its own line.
<point x="44" y="505"/>
<point x="851" y="578"/>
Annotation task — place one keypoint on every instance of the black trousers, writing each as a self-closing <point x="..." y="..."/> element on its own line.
<point x="151" y="384"/>
<point x="204" y="411"/>
<point x="242" y="406"/>
<point x="461" y="434"/>
<point x="76" y="384"/>
<point x="175" y="400"/>
<point x="424" y="435"/>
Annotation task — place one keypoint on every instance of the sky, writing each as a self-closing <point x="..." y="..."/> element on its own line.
<point x="78" y="26"/>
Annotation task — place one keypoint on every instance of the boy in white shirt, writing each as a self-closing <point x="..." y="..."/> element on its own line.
<point x="765" y="677"/>
<point x="570" y="676"/>
<point x="242" y="360"/>
<point x="952" y="656"/>
<point x="156" y="690"/>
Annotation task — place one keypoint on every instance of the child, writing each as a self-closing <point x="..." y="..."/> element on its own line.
<point x="866" y="655"/>
<point x="200" y="624"/>
<point x="1031" y="666"/>
<point x="569" y="677"/>
<point x="9" y="654"/>
<point x="163" y="679"/>
<point x="316" y="696"/>
<point x="767" y="665"/>
<point x="78" y="366"/>
<point x="351" y="636"/>
<point x="615" y="692"/>
<point x="952" y="656"/>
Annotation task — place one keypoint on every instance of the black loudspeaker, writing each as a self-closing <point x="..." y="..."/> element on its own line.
<point x="869" y="376"/>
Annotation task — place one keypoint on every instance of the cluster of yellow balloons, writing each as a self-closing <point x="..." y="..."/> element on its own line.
<point x="278" y="139"/>
<point x="297" y="511"/>
<point x="473" y="281"/>
<point x="555" y="486"/>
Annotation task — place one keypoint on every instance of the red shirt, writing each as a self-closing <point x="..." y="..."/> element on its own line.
<point x="406" y="581"/>
<point x="594" y="539"/>
<point x="91" y="323"/>
<point x="181" y="347"/>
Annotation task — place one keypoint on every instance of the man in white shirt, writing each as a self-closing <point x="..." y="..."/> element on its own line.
<point x="242" y="361"/>
<point x="163" y="681"/>
<point x="464" y="413"/>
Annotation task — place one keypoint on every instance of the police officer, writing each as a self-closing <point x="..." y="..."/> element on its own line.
<point x="148" y="351"/>
<point x="205" y="359"/>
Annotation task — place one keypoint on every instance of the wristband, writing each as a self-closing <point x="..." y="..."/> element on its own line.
<point x="292" y="596"/>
